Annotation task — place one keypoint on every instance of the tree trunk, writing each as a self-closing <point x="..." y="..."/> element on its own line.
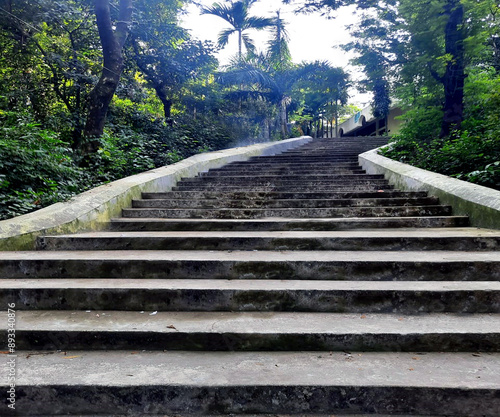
<point x="240" y="43"/>
<point x="112" y="41"/>
<point x="167" y="103"/>
<point x="454" y="77"/>
<point x="283" y="118"/>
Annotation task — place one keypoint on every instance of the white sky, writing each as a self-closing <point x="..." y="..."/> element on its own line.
<point x="312" y="37"/>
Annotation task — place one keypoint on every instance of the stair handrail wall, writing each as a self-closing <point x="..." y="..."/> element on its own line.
<point x="481" y="204"/>
<point x="93" y="209"/>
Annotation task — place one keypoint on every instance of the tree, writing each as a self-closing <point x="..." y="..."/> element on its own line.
<point x="113" y="36"/>
<point x="237" y="15"/>
<point x="325" y="91"/>
<point x="428" y="37"/>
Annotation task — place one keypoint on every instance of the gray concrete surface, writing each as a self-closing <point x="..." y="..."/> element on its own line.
<point x="269" y="382"/>
<point x="389" y="239"/>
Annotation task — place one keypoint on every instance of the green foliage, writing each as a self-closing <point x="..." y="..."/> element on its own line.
<point x="36" y="168"/>
<point x="473" y="154"/>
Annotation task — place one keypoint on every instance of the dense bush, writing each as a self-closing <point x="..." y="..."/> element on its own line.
<point x="38" y="168"/>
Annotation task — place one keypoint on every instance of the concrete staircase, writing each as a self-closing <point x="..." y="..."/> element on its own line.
<point x="293" y="284"/>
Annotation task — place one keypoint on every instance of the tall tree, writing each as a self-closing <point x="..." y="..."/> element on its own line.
<point x="236" y="13"/>
<point x="113" y="35"/>
<point x="278" y="52"/>
<point x="428" y="37"/>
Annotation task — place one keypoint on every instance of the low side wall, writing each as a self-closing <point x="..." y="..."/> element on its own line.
<point x="481" y="204"/>
<point x="93" y="209"/>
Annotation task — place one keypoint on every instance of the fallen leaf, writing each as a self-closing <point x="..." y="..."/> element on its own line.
<point x="4" y="352"/>
<point x="72" y="357"/>
<point x="411" y="369"/>
<point x="134" y="353"/>
<point x="401" y="319"/>
<point x="172" y="327"/>
<point x="476" y="354"/>
<point x="363" y="316"/>
<point x="415" y="358"/>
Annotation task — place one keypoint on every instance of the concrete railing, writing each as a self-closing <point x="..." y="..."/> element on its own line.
<point x="93" y="209"/>
<point x="481" y="204"/>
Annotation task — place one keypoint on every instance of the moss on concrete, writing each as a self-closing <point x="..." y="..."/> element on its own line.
<point x="481" y="204"/>
<point x="93" y="209"/>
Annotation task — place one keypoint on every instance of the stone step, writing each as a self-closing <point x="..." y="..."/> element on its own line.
<point x="207" y="195"/>
<point x="253" y="331"/>
<point x="201" y="383"/>
<point x="280" y="171"/>
<point x="257" y="178"/>
<point x="313" y="265"/>
<point x="294" y="159"/>
<point x="277" y="181"/>
<point x="198" y="295"/>
<point x="254" y="213"/>
<point x="334" y="157"/>
<point x="290" y="224"/>
<point x="290" y="165"/>
<point x="293" y="187"/>
<point x="288" y="203"/>
<point x="385" y="240"/>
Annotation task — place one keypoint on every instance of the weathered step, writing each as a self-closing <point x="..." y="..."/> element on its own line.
<point x="139" y="383"/>
<point x="315" y="265"/>
<point x="253" y="213"/>
<point x="196" y="295"/>
<point x="280" y="171"/>
<point x="395" y="239"/>
<point x="351" y="157"/>
<point x="146" y="224"/>
<point x="281" y="195"/>
<point x="286" y="203"/>
<point x="257" y="178"/>
<point x="269" y="331"/>
<point x="290" y="165"/>
<point x="294" y="187"/>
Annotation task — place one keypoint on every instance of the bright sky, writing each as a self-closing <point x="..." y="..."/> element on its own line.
<point x="312" y="37"/>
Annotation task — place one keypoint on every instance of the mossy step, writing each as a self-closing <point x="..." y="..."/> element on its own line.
<point x="139" y="383"/>
<point x="314" y="265"/>
<point x="386" y="240"/>
<point x="197" y="295"/>
<point x="286" y="203"/>
<point x="253" y="331"/>
<point x="258" y="178"/>
<point x="281" y="171"/>
<point x="253" y="213"/>
<point x="185" y="195"/>
<point x="284" y="224"/>
<point x="290" y="187"/>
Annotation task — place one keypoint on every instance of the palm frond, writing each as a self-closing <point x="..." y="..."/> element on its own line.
<point x="257" y="23"/>
<point x="224" y="35"/>
<point x="248" y="42"/>
<point x="224" y="11"/>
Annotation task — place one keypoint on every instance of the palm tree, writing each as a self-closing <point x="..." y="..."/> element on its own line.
<point x="256" y="77"/>
<point x="236" y="14"/>
<point x="278" y="52"/>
